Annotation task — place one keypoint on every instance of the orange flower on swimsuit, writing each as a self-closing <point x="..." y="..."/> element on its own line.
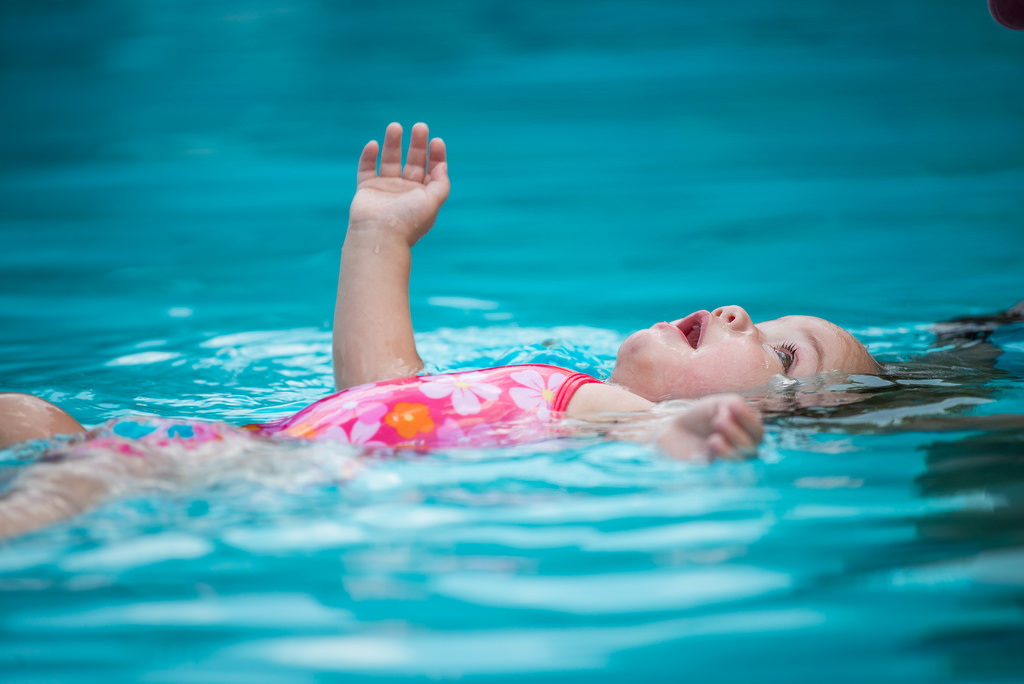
<point x="408" y="420"/>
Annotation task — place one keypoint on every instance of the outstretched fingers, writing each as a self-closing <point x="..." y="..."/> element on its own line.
<point x="391" y="155"/>
<point x="416" y="160"/>
<point x="425" y="163"/>
<point x="438" y="184"/>
<point x="438" y="160"/>
<point x="367" y="163"/>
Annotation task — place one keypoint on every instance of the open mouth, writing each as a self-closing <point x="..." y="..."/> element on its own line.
<point x="693" y="327"/>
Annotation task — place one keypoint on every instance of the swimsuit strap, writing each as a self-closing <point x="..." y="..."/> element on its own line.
<point x="568" y="389"/>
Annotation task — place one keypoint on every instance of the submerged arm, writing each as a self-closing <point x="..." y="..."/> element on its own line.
<point x="717" y="426"/>
<point x="373" y="334"/>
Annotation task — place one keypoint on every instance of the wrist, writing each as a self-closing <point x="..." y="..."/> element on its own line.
<point x="376" y="234"/>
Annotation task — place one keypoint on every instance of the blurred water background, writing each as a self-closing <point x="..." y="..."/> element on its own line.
<point x="174" y="182"/>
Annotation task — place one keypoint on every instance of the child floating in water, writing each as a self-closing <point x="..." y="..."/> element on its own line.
<point x="381" y="401"/>
<point x="703" y="353"/>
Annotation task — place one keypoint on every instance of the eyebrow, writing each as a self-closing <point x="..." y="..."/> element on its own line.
<point x="816" y="343"/>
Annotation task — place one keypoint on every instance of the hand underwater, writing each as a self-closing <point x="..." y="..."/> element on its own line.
<point x="719" y="426"/>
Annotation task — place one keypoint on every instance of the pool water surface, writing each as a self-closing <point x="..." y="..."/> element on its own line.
<point x="174" y="183"/>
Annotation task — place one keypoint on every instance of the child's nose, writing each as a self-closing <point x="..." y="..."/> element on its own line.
<point x="734" y="317"/>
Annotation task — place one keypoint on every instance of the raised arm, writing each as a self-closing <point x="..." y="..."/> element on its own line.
<point x="391" y="211"/>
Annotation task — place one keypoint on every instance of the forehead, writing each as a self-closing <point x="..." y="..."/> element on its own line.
<point x="808" y="324"/>
<point x="839" y="350"/>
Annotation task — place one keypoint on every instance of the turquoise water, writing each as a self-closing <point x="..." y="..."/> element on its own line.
<point x="174" y="181"/>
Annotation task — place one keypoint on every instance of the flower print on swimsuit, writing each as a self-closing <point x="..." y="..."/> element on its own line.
<point x="409" y="420"/>
<point x="536" y="394"/>
<point x="494" y="406"/>
<point x="366" y="425"/>
<point x="360" y="435"/>
<point x="465" y="389"/>
<point x="115" y="444"/>
<point x="366" y="414"/>
<point x="133" y="437"/>
<point x="133" y="429"/>
<point x="161" y="431"/>
<point x="450" y="433"/>
<point x="195" y="433"/>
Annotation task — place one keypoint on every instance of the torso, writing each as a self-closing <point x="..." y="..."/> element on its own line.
<point x="489" y="407"/>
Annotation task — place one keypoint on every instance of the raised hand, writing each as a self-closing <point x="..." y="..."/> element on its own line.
<point x="391" y="211"/>
<point x="397" y="201"/>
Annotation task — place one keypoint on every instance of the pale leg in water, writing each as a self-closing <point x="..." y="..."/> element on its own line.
<point x="24" y="417"/>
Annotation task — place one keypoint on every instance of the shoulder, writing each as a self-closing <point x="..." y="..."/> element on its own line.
<point x="592" y="400"/>
<point x="579" y="395"/>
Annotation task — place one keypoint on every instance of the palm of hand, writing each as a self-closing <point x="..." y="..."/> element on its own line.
<point x="403" y="202"/>
<point x="399" y="203"/>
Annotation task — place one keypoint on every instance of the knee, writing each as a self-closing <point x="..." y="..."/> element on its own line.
<point x="24" y="417"/>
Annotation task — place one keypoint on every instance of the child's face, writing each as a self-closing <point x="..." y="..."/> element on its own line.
<point x="723" y="351"/>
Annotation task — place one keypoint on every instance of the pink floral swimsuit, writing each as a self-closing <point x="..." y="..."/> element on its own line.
<point x="489" y="407"/>
<point x="495" y="406"/>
